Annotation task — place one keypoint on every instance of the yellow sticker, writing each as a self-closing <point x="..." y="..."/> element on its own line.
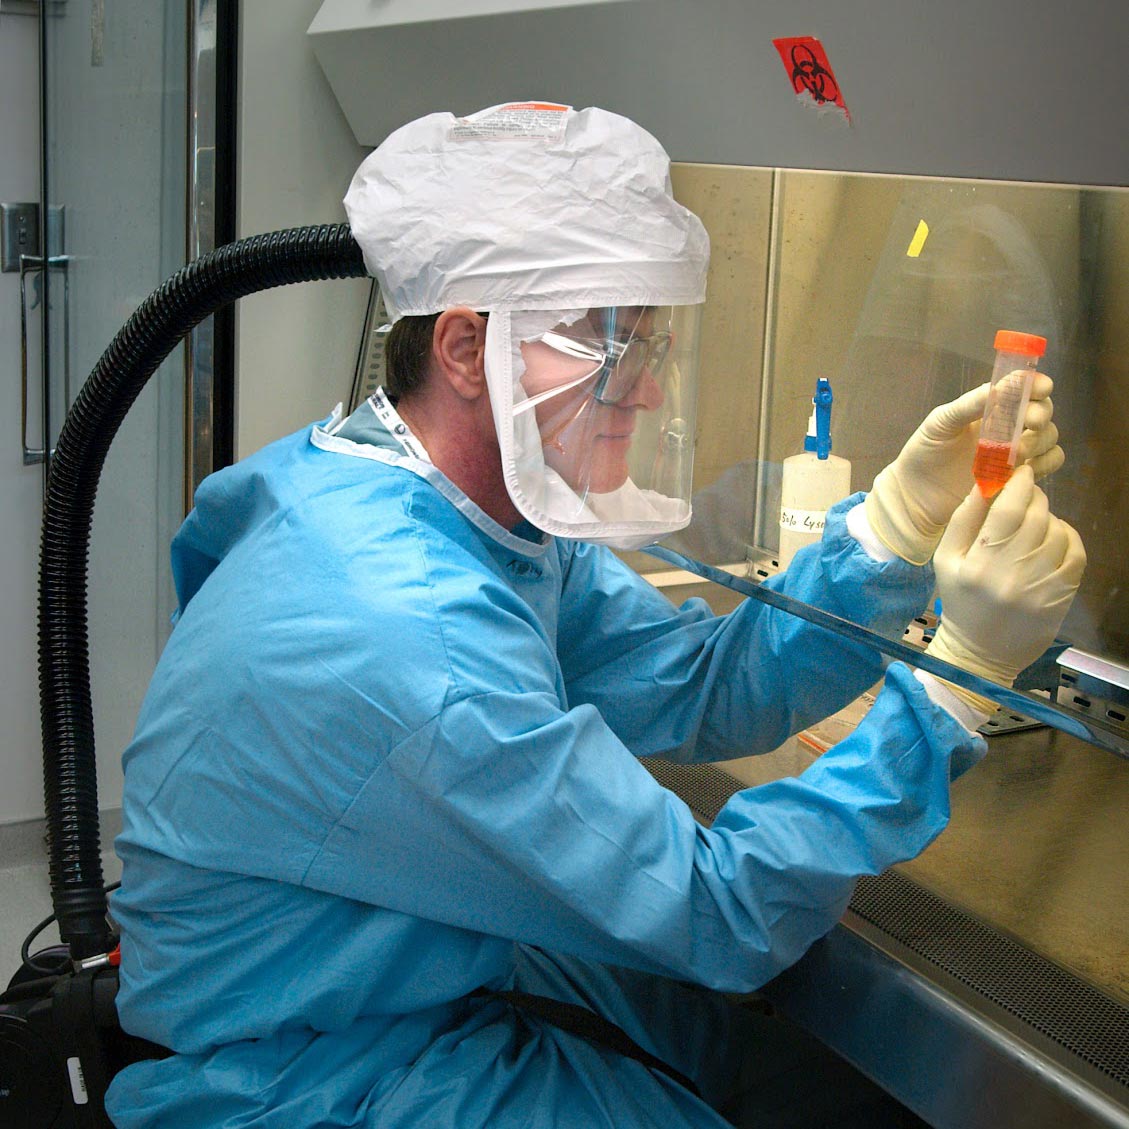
<point x="918" y="240"/>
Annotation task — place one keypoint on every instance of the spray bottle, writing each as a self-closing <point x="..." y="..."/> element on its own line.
<point x="813" y="481"/>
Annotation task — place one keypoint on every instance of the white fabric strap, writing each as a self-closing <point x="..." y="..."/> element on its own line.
<point x="859" y="527"/>
<point x="942" y="696"/>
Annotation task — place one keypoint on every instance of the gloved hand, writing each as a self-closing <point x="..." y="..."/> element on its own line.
<point x="913" y="498"/>
<point x="1006" y="574"/>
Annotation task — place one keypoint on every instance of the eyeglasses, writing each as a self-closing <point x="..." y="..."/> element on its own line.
<point x="620" y="364"/>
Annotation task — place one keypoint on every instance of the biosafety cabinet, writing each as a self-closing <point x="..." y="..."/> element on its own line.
<point x="885" y="185"/>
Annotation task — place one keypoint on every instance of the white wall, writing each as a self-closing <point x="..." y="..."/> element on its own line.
<point x="296" y="346"/>
<point x="21" y="488"/>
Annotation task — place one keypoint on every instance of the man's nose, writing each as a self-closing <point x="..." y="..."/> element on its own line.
<point x="646" y="393"/>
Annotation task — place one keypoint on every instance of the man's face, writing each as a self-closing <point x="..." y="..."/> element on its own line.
<point x="587" y="442"/>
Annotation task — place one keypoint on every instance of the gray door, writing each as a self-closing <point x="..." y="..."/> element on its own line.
<point x="112" y="168"/>
<point x="21" y="487"/>
<point x="115" y="144"/>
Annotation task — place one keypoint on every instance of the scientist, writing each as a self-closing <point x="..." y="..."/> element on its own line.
<point x="391" y="855"/>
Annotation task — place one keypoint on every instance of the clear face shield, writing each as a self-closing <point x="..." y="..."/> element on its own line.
<point x="595" y="417"/>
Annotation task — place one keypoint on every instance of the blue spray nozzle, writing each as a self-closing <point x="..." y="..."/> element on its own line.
<point x="820" y="442"/>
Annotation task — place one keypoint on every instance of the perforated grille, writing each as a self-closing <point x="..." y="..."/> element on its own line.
<point x="1041" y="994"/>
<point x="704" y="788"/>
<point x="1045" y="996"/>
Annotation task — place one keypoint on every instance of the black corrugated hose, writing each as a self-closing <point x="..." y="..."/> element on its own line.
<point x="160" y="322"/>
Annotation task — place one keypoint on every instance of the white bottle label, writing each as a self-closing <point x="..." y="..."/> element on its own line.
<point x="802" y="521"/>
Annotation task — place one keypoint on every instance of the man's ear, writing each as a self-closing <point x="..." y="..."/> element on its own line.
<point x="458" y="347"/>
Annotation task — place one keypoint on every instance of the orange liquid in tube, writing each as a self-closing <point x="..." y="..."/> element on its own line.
<point x="991" y="467"/>
<point x="1017" y="357"/>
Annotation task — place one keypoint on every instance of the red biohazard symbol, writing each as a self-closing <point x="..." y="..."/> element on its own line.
<point x="810" y="72"/>
<point x="810" y="75"/>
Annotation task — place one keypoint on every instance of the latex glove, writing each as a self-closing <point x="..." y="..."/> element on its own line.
<point x="913" y="498"/>
<point x="1006" y="574"/>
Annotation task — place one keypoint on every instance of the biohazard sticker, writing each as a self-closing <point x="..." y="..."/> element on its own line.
<point x="809" y="70"/>
<point x="514" y="121"/>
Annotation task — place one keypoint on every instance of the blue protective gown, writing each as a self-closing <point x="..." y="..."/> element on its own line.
<point x="391" y="754"/>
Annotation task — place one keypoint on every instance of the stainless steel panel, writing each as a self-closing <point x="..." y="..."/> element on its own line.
<point x="898" y="333"/>
<point x="813" y="277"/>
<point x="937" y="1050"/>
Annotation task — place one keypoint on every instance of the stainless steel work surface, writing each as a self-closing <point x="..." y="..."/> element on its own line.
<point x="1036" y="847"/>
<point x="986" y="983"/>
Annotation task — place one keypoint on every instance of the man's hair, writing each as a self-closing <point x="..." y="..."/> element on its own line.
<point x="408" y="354"/>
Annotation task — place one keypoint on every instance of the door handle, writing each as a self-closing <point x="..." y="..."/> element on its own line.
<point x="29" y="265"/>
<point x="19" y="233"/>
